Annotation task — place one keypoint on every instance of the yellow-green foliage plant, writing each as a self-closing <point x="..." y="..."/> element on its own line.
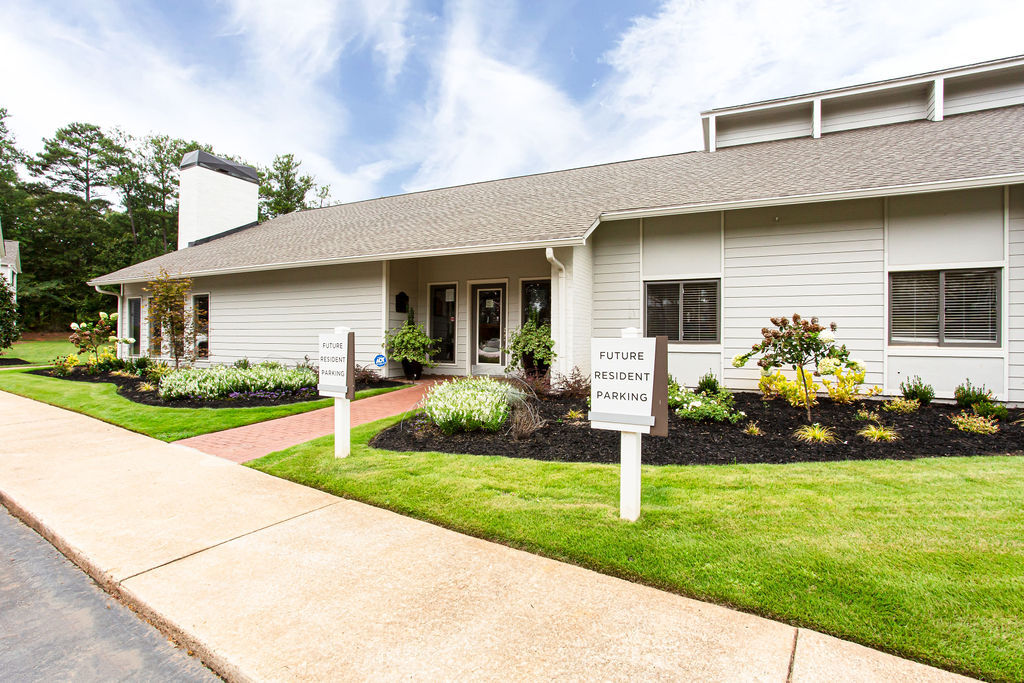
<point x="776" y="385"/>
<point x="815" y="433"/>
<point x="903" y="406"/>
<point x="876" y="433"/>
<point x="974" y="424"/>
<point x="752" y="429"/>
<point x="845" y="387"/>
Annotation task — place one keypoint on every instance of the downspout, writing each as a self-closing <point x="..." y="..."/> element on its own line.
<point x="118" y="295"/>
<point x="549" y="254"/>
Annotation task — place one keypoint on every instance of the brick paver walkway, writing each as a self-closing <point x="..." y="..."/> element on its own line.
<point x="242" y="444"/>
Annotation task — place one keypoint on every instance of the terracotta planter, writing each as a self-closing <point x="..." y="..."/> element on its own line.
<point x="413" y="369"/>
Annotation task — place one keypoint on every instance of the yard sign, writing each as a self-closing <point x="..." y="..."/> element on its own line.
<point x="337" y="362"/>
<point x="629" y="394"/>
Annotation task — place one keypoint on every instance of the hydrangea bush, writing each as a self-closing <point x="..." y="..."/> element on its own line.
<point x="470" y="404"/>
<point x="716" y="405"/>
<point x="221" y="381"/>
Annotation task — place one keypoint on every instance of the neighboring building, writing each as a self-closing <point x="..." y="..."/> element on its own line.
<point x="10" y="262"/>
<point x="895" y="209"/>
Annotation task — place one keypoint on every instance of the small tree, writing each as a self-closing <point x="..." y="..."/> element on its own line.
<point x="167" y="310"/>
<point x="9" y="332"/>
<point x="801" y="345"/>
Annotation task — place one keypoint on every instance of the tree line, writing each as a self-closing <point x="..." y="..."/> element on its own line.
<point x="93" y="201"/>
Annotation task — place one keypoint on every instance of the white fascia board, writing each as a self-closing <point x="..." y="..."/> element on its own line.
<point x="884" y="191"/>
<point x="919" y="79"/>
<point x="395" y="256"/>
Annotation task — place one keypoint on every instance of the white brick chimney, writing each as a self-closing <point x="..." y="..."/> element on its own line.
<point x="214" y="196"/>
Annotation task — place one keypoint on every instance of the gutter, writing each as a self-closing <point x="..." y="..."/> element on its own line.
<point x="563" y="307"/>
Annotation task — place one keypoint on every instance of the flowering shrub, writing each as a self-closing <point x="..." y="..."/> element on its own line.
<point x="90" y="336"/>
<point x="62" y="365"/>
<point x="469" y="404"/>
<point x="802" y="345"/>
<point x="691" y="405"/>
<point x="221" y="382"/>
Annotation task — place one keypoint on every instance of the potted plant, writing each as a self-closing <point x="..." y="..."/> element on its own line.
<point x="531" y="347"/>
<point x="411" y="345"/>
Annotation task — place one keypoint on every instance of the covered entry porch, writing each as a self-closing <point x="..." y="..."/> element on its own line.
<point x="472" y="302"/>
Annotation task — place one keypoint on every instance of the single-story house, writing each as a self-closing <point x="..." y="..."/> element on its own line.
<point x="895" y="209"/>
<point x="10" y="262"/>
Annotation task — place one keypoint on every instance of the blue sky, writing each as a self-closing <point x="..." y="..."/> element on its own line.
<point x="385" y="96"/>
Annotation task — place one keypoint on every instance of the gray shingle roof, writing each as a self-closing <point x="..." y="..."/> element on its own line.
<point x="562" y="206"/>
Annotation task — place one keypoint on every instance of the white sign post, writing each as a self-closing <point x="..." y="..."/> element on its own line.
<point x="337" y="370"/>
<point x="628" y="393"/>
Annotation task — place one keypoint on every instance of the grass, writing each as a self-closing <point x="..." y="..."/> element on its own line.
<point x="921" y="558"/>
<point x="40" y="352"/>
<point x="101" y="400"/>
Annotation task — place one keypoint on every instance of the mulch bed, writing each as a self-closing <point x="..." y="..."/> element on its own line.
<point x="925" y="433"/>
<point x="129" y="387"/>
<point x="12" y="361"/>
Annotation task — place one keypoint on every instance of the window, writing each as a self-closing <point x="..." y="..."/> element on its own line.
<point x="536" y="301"/>
<point x="135" y="325"/>
<point x="201" y="322"/>
<point x="155" y="332"/>
<point x="946" y="307"/>
<point x="684" y="311"/>
<point x="442" y="322"/>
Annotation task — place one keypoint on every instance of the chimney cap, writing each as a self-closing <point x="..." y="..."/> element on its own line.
<point x="214" y="163"/>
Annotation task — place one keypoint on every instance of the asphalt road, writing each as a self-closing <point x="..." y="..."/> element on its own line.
<point x="57" y="624"/>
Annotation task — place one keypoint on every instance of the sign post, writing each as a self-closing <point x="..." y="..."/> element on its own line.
<point x="337" y="378"/>
<point x="629" y="394"/>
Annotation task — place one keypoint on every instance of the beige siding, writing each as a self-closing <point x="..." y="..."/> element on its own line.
<point x="617" y="291"/>
<point x="874" y="109"/>
<point x="820" y="260"/>
<point x="942" y="228"/>
<point x="680" y="246"/>
<point x="984" y="91"/>
<point x="582" y="283"/>
<point x="403" y="276"/>
<point x="1016" y="294"/>
<point x="759" y="126"/>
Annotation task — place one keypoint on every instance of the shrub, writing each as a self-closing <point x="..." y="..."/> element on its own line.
<point x="974" y="424"/>
<point x="228" y="382"/>
<point x="573" y="385"/>
<point x="802" y="345"/>
<point x="90" y="336"/>
<point x="62" y="365"/>
<point x="845" y="388"/>
<point x="776" y="385"/>
<point x="525" y="417"/>
<point x="718" y="407"/>
<point x="271" y="365"/>
<point x="9" y="332"/>
<point x="708" y="384"/>
<point x="105" y="361"/>
<point x="137" y="366"/>
<point x="364" y="374"/>
<point x="156" y="371"/>
<point x="903" y="406"/>
<point x="146" y="386"/>
<point x="988" y="409"/>
<point x="915" y="388"/>
<point x="867" y="415"/>
<point x="469" y="404"/>
<point x="752" y="429"/>
<point x="967" y="395"/>
<point x="242" y="364"/>
<point x="815" y="433"/>
<point x="876" y="433"/>
<point x="410" y="342"/>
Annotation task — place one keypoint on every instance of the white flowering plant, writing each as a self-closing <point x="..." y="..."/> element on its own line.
<point x="466" y="405"/>
<point x="221" y="381"/>
<point x="89" y="336"/>
<point x="718" y="406"/>
<point x="801" y="345"/>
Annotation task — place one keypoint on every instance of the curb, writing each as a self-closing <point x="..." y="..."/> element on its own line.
<point x="179" y="635"/>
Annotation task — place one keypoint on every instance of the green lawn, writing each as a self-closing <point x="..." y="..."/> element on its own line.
<point x="924" y="558"/>
<point x="167" y="424"/>
<point x="40" y="352"/>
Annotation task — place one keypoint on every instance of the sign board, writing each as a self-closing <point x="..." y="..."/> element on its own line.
<point x="337" y="365"/>
<point x="629" y="384"/>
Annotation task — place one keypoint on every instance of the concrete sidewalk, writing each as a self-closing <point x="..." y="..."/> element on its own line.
<point x="269" y="580"/>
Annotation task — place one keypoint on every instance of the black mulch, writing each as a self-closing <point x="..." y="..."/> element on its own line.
<point x="130" y="388"/>
<point x="12" y="361"/>
<point x="925" y="433"/>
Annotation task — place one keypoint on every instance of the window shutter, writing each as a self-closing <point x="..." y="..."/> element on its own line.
<point x="700" y="311"/>
<point x="663" y="310"/>
<point x="914" y="300"/>
<point x="971" y="307"/>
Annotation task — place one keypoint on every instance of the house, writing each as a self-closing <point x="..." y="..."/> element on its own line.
<point x="10" y="262"/>
<point x="895" y="209"/>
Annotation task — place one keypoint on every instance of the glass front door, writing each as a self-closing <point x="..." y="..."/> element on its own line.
<point x="489" y="326"/>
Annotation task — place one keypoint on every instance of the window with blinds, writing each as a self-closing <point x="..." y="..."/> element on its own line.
<point x="683" y="311"/>
<point x="946" y="307"/>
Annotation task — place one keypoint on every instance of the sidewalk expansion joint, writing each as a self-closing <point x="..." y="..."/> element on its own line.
<point x="229" y="540"/>
<point x="792" y="656"/>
